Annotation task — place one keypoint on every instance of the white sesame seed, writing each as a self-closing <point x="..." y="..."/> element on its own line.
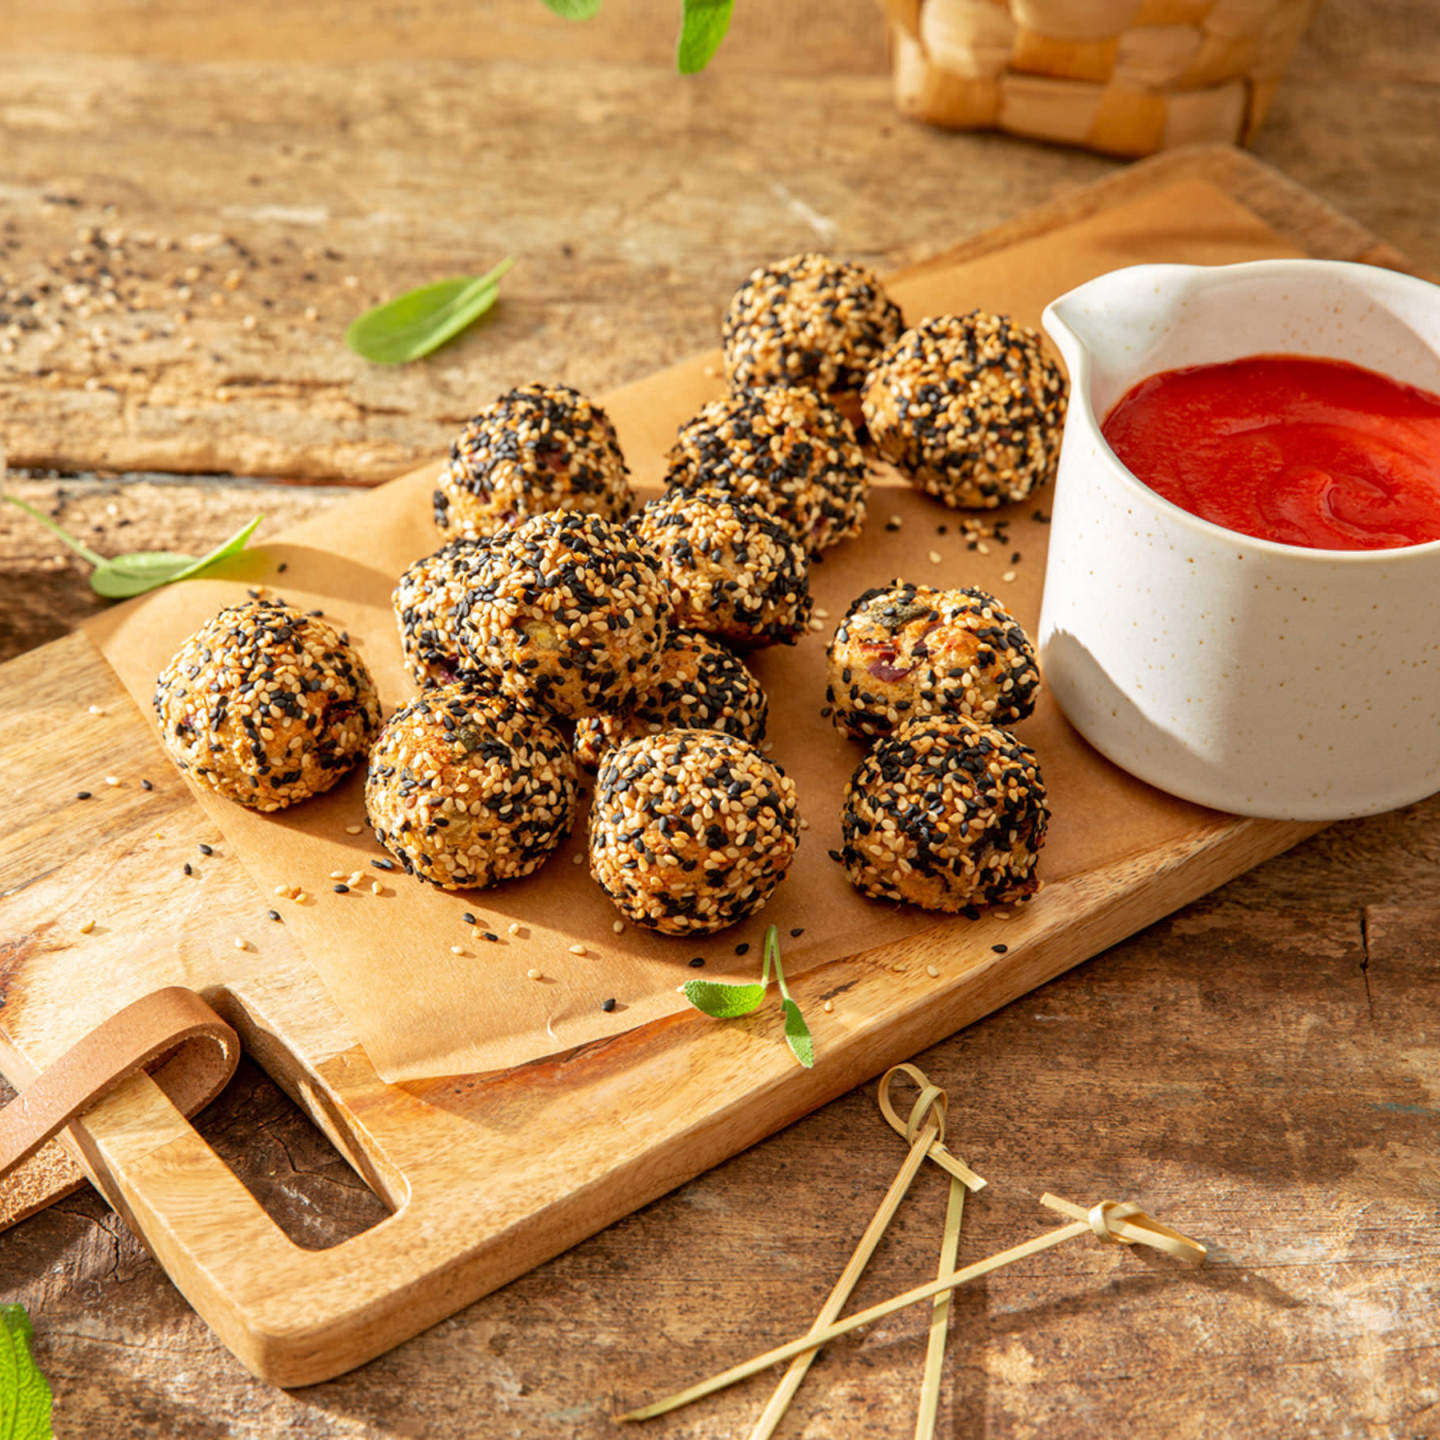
<point x="578" y="950"/>
<point x="935" y="557"/>
<point x="804" y="823"/>
<point x="817" y="625"/>
<point x="353" y="829"/>
<point x="240" y="944"/>
<point x="1008" y="575"/>
<point x="337" y="874"/>
<point x="618" y="926"/>
<point x="893" y="522"/>
<point x="829" y="1006"/>
<point x="376" y="888"/>
<point x="821" y="614"/>
<point x="112" y="779"/>
<point x="578" y="859"/>
<point x="96" y="710"/>
<point x="532" y="974"/>
<point x="283" y="891"/>
<point x="87" y="927"/>
<point x="456" y="950"/>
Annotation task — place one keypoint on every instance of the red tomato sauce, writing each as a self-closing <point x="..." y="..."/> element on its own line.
<point x="1286" y="447"/>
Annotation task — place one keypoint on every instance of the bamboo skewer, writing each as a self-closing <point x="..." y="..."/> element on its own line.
<point x="930" y="1108"/>
<point x="1109" y="1221"/>
<point x="940" y="1317"/>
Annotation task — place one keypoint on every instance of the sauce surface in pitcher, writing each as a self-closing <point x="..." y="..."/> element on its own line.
<point x="1304" y="451"/>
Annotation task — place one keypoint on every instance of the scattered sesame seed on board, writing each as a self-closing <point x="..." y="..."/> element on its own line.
<point x="341" y="889"/>
<point x="112" y="779"/>
<point x="96" y="710"/>
<point x="578" y="950"/>
<point x="240" y="944"/>
<point x="607" y="1005"/>
<point x="376" y="888"/>
<point x="514" y="927"/>
<point x="1008" y="575"/>
<point x="87" y="927"/>
<point x="532" y="974"/>
<point x="337" y="874"/>
<point x="829" y="1006"/>
<point x="82" y="794"/>
<point x="931" y="971"/>
<point x="353" y="829"/>
<point x="618" y="926"/>
<point x="936" y="557"/>
<point x="578" y="858"/>
<point x="457" y="950"/>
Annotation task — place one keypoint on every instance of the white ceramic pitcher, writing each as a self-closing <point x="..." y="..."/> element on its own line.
<point x="1255" y="677"/>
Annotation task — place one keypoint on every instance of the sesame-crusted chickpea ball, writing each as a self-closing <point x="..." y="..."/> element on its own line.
<point x="536" y="448"/>
<point x="945" y="813"/>
<point x="691" y="830"/>
<point x="969" y="408"/>
<point x="906" y="650"/>
<point x="266" y="705"/>
<point x="466" y="789"/>
<point x="428" y="602"/>
<point x="786" y="449"/>
<point x="812" y="321"/>
<point x="732" y="570"/>
<point x="701" y="686"/>
<point x="568" y="613"/>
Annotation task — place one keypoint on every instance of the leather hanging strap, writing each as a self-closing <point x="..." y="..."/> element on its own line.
<point x="189" y="1051"/>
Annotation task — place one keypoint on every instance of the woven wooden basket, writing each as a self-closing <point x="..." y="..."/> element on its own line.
<point x="1126" y="77"/>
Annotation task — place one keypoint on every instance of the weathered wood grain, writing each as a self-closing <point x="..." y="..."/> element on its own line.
<point x="1316" y="1337"/>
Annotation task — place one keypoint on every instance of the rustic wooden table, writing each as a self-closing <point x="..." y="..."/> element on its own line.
<point x="1269" y="1054"/>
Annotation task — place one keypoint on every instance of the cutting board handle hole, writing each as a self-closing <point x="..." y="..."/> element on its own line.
<point x="303" y="1182"/>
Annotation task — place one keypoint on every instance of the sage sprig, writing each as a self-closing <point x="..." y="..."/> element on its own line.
<point x="25" y="1399"/>
<point x="119" y="577"/>
<point x="419" y="321"/>
<point x="703" y="24"/>
<point x="725" y="1000"/>
<point x="702" y="27"/>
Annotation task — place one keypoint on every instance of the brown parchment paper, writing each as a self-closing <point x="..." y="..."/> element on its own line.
<point x="421" y="1010"/>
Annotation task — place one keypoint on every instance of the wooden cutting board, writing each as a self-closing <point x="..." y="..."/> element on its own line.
<point x="486" y="1176"/>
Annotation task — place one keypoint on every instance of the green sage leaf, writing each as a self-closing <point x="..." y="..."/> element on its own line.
<point x="419" y="321"/>
<point x="123" y="576"/>
<point x="702" y="27"/>
<point x="797" y="1034"/>
<point x="25" y="1398"/>
<point x="722" y="1000"/>
<point x="574" y="9"/>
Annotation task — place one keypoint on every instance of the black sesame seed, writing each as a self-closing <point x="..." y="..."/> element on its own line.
<point x="837" y="857"/>
<point x="742" y="947"/>
<point x="608" y="1005"/>
<point x="283" y="567"/>
<point x="188" y="870"/>
<point x="999" y="949"/>
<point x="697" y="962"/>
<point x="797" y="932"/>
<point x="383" y="864"/>
<point x="82" y="794"/>
<point x="341" y="889"/>
<point x="491" y="936"/>
<point x="273" y="914"/>
<point x="469" y="919"/>
<point x="206" y="850"/>
<point x="146" y="785"/>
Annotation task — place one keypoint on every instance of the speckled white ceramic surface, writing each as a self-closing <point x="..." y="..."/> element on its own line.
<point x="1255" y="677"/>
